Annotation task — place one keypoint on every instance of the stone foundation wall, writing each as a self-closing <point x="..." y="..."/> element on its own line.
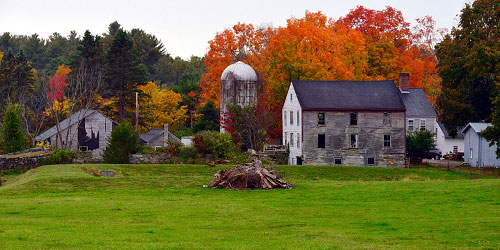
<point x="21" y="163"/>
<point x="149" y="158"/>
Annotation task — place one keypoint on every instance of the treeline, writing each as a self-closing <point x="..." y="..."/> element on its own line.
<point x="53" y="78"/>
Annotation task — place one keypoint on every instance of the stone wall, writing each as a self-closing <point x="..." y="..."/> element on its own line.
<point x="149" y="158"/>
<point x="370" y="131"/>
<point x="22" y="160"/>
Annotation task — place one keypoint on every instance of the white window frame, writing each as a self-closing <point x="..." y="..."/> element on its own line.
<point x="411" y="124"/>
<point x="298" y="140"/>
<point x="286" y="139"/>
<point x="422" y="125"/>
<point x="83" y="147"/>
<point x="291" y="139"/>
<point x="298" y="120"/>
<point x="291" y="117"/>
<point x="284" y="117"/>
<point x="471" y="153"/>
<point x="455" y="149"/>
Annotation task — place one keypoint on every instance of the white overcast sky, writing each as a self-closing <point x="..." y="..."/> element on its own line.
<point x="185" y="27"/>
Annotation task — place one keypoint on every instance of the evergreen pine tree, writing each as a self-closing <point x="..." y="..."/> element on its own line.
<point x="123" y="73"/>
<point x="13" y="138"/>
<point x="123" y="141"/>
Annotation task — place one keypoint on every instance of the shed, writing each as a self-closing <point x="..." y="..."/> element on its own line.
<point x="478" y="152"/>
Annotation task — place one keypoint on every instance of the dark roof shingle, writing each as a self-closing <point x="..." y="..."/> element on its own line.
<point x="348" y="95"/>
<point x="417" y="104"/>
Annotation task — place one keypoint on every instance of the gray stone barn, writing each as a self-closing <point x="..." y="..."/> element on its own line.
<point x="358" y="123"/>
<point x="477" y="150"/>
<point x="85" y="130"/>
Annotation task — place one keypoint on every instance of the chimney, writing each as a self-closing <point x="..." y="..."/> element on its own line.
<point x="404" y="82"/>
<point x="165" y="134"/>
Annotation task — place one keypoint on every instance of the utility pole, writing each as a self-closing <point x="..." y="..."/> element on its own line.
<point x="136" y="111"/>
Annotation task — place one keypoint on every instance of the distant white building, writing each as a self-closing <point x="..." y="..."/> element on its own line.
<point x="478" y="152"/>
<point x="446" y="143"/>
<point x="420" y="114"/>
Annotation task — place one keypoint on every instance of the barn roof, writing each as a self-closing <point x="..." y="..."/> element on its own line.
<point x="460" y="135"/>
<point x="478" y="127"/>
<point x="152" y="134"/>
<point x="348" y="95"/>
<point x="68" y="122"/>
<point x="417" y="104"/>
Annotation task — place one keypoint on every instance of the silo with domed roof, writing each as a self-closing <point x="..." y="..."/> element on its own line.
<point x="238" y="87"/>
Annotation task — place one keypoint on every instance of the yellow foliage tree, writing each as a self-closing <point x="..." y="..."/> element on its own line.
<point x="161" y="107"/>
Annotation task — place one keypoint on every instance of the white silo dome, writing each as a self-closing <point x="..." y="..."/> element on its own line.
<point x="241" y="71"/>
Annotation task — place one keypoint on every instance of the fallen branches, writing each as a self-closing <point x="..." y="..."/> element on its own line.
<point x="248" y="176"/>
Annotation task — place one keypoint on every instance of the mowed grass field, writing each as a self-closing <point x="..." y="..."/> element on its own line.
<point x="166" y="206"/>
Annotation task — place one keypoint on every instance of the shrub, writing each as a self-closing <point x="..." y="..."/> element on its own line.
<point x="213" y="143"/>
<point x="123" y="141"/>
<point x="186" y="153"/>
<point x="1" y="180"/>
<point x="61" y="156"/>
<point x="12" y="133"/>
<point x="146" y="150"/>
<point x="418" y="143"/>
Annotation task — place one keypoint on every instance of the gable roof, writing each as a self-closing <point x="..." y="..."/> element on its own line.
<point x="460" y="135"/>
<point x="478" y="127"/>
<point x="417" y="104"/>
<point x="68" y="122"/>
<point x="348" y="95"/>
<point x="154" y="133"/>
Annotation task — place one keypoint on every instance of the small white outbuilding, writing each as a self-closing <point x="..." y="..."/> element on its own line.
<point x="478" y="152"/>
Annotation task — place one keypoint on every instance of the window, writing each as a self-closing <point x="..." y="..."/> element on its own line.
<point x="298" y="140"/>
<point x="470" y="153"/>
<point x="291" y="117"/>
<point x="387" y="141"/>
<point x="286" y="139"/>
<point x="291" y="97"/>
<point x="410" y="125"/>
<point x="321" y="118"/>
<point x="455" y="149"/>
<point x="291" y="139"/>
<point x="284" y="117"/>
<point x="298" y="119"/>
<point x="338" y="161"/>
<point x="84" y="148"/>
<point x="354" y="141"/>
<point x="321" y="140"/>
<point x="422" y="125"/>
<point x="387" y="119"/>
<point x="371" y="161"/>
<point x="354" y="118"/>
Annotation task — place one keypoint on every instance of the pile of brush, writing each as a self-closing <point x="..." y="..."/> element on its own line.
<point x="248" y="176"/>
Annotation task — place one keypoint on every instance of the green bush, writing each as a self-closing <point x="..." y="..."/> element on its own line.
<point x="186" y="153"/>
<point x="418" y="143"/>
<point x="146" y="150"/>
<point x="61" y="156"/>
<point x="213" y="143"/>
<point x="123" y="141"/>
<point x="12" y="133"/>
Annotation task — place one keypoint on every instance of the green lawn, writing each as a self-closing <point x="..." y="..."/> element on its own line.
<point x="166" y="206"/>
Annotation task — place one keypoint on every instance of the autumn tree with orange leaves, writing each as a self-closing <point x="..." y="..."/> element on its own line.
<point x="365" y="44"/>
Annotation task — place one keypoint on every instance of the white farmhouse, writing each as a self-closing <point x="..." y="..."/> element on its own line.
<point x="292" y="129"/>
<point x="420" y="114"/>
<point x="446" y="143"/>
